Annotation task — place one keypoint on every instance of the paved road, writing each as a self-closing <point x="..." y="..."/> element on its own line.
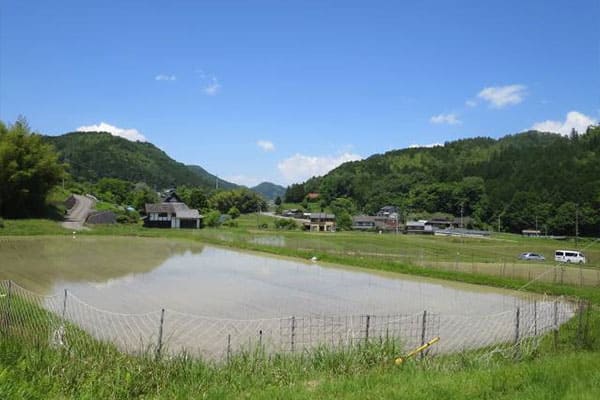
<point x="272" y="214"/>
<point x="78" y="213"/>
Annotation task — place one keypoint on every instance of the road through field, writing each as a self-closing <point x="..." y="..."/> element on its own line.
<point x="78" y="213"/>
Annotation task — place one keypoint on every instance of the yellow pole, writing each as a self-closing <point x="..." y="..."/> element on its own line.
<point x="419" y="349"/>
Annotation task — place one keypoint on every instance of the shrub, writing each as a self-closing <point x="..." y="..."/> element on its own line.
<point x="212" y="218"/>
<point x="234" y="212"/>
<point x="127" y="216"/>
<point x="230" y="223"/>
<point x="288" y="224"/>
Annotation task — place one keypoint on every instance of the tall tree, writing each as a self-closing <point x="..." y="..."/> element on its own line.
<point x="29" y="168"/>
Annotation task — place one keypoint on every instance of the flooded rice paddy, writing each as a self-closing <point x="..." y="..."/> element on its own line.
<point x="135" y="275"/>
<point x="118" y="286"/>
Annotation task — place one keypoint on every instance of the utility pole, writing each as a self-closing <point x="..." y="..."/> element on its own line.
<point x="63" y="177"/>
<point x="576" y="225"/>
<point x="257" y="214"/>
<point x="461" y="215"/>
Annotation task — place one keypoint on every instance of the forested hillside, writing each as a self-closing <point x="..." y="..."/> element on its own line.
<point x="269" y="191"/>
<point x="95" y="155"/>
<point x="208" y="177"/>
<point x="516" y="182"/>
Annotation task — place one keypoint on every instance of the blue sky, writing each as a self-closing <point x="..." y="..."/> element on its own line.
<point x="282" y="90"/>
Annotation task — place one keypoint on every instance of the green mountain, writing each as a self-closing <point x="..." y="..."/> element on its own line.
<point x="95" y="155"/>
<point x="269" y="190"/>
<point x="516" y="182"/>
<point x="216" y="182"/>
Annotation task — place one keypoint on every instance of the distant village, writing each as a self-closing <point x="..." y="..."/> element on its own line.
<point x="172" y="212"/>
<point x="387" y="220"/>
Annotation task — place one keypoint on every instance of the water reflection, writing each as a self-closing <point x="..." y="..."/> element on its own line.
<point x="231" y="284"/>
<point x="39" y="263"/>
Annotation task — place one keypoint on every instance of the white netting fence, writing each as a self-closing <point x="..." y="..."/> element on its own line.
<point x="59" y="318"/>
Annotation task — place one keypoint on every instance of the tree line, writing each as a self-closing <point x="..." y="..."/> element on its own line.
<point x="30" y="167"/>
<point x="522" y="181"/>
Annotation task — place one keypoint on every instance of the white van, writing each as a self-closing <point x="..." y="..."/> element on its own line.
<point x="569" y="256"/>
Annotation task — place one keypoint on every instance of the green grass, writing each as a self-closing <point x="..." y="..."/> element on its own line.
<point x="29" y="227"/>
<point x="30" y="368"/>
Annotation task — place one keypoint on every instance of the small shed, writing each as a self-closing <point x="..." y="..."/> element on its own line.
<point x="418" y="227"/>
<point x="531" y="233"/>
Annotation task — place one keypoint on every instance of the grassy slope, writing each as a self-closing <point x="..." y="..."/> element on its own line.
<point x="46" y="375"/>
<point x="30" y="369"/>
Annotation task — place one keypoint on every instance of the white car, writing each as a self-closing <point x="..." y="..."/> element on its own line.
<point x="569" y="256"/>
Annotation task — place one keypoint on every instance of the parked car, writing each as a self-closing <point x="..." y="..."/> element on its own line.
<point x="532" y="257"/>
<point x="569" y="256"/>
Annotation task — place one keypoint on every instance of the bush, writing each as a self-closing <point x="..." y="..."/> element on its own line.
<point x="287" y="224"/>
<point x="230" y="223"/>
<point x="234" y="212"/>
<point x="212" y="218"/>
<point x="127" y="216"/>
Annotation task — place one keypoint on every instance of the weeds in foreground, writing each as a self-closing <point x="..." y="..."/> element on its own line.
<point x="33" y="367"/>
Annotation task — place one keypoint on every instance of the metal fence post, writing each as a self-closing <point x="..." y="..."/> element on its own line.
<point x="555" y="324"/>
<point x="562" y="275"/>
<point x="228" y="348"/>
<point x="160" y="333"/>
<point x="64" y="310"/>
<point x="423" y="330"/>
<point x="535" y="318"/>
<point x="293" y="333"/>
<point x="367" y="328"/>
<point x="580" y="322"/>
<point x="586" y="327"/>
<point x="517" y="322"/>
<point x="7" y="308"/>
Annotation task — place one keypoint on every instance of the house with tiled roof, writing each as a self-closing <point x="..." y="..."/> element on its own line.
<point x="320" y="222"/>
<point x="172" y="213"/>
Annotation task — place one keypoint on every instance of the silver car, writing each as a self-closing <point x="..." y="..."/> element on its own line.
<point x="532" y="257"/>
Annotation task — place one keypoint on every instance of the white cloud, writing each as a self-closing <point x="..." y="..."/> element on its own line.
<point x="471" y="103"/>
<point x="266" y="145"/>
<point x="416" y="146"/>
<point x="213" y="87"/>
<point x="300" y="167"/>
<point x="449" y="119"/>
<point x="129" y="134"/>
<point x="502" y="96"/>
<point x="575" y="120"/>
<point x="163" y="77"/>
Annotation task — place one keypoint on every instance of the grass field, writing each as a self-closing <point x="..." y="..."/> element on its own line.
<point x="31" y="368"/>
